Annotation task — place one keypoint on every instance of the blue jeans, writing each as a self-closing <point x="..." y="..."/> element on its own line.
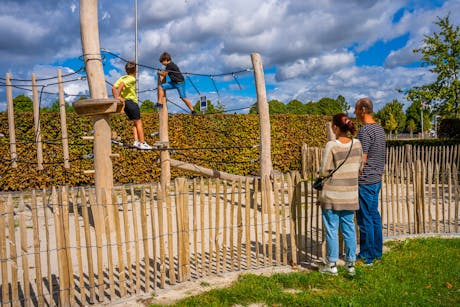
<point x="332" y="220"/>
<point x="369" y="222"/>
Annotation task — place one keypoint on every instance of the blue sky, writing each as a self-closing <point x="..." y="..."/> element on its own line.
<point x="310" y="49"/>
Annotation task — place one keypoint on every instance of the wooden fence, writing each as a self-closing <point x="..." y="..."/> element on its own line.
<point x="52" y="252"/>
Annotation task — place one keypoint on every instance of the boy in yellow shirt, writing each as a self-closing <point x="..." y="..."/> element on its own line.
<point x="125" y="91"/>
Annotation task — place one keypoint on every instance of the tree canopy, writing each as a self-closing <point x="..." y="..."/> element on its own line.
<point x="441" y="54"/>
<point x="392" y="117"/>
<point x="23" y="103"/>
<point x="324" y="106"/>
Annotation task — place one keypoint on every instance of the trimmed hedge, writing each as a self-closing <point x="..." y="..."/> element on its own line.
<point x="228" y="139"/>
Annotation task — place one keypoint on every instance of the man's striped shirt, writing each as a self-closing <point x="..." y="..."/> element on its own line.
<point x="372" y="137"/>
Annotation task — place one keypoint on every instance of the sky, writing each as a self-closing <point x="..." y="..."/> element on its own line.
<point x="310" y="49"/>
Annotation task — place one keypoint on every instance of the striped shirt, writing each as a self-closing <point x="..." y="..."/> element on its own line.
<point x="372" y="137"/>
<point x="340" y="192"/>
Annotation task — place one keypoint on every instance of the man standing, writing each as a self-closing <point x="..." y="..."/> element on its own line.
<point x="372" y="137"/>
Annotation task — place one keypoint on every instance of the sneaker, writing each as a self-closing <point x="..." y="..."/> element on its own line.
<point x="159" y="105"/>
<point x="329" y="268"/>
<point x="136" y="143"/>
<point x="144" y="146"/>
<point x="193" y="113"/>
<point x="350" y="266"/>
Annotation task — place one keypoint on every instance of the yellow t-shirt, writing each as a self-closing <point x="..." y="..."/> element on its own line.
<point x="129" y="90"/>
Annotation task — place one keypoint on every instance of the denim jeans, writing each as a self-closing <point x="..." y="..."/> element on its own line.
<point x="332" y="220"/>
<point x="369" y="222"/>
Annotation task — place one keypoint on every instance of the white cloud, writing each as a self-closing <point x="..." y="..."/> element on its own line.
<point x="313" y="44"/>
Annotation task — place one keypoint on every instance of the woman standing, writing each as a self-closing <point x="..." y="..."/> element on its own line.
<point x="339" y="197"/>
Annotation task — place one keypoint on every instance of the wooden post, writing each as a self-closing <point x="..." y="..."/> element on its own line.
<point x="62" y="113"/>
<point x="101" y="124"/>
<point x="11" y="128"/>
<point x="266" y="166"/>
<point x="3" y="253"/>
<point x="37" y="131"/>
<point x="165" y="162"/>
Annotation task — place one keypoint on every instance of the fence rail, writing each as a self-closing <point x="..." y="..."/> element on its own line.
<point x="53" y="252"/>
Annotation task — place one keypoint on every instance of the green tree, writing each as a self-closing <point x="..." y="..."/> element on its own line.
<point x="274" y="107"/>
<point x="414" y="113"/>
<point x="296" y="107"/>
<point x="411" y="126"/>
<point x="23" y="103"/>
<point x="393" y="109"/>
<point x="55" y="107"/>
<point x="147" y="106"/>
<point x="441" y="54"/>
<point x="210" y="108"/>
<point x="312" y="108"/>
<point x="329" y="106"/>
<point x="391" y="124"/>
<point x="343" y="104"/>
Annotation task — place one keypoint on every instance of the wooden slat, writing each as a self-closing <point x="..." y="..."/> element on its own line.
<point x="256" y="225"/>
<point x="232" y="227"/>
<point x="61" y="253"/>
<point x="77" y="229"/>
<point x="247" y="215"/>
<point x="36" y="234"/>
<point x="89" y="248"/>
<point x="225" y="257"/>
<point x="108" y="243"/>
<point x="210" y="226"/>
<point x="202" y="233"/>
<point x="172" y="271"/>
<point x="239" y="222"/>
<point x="195" y="225"/>
<point x="136" y="240"/>
<point x="143" y="216"/>
<point x="180" y="251"/>
<point x="263" y="208"/>
<point x="98" y="229"/>
<point x="278" y="222"/>
<point x="217" y="230"/>
<point x="24" y="252"/>
<point x="47" y="243"/>
<point x="153" y="227"/>
<point x="126" y="229"/>
<point x="64" y="191"/>
<point x="13" y="252"/>
<point x="283" y="223"/>
<point x="121" y="264"/>
<point x="456" y="195"/>
<point x="449" y="196"/>
<point x="3" y="254"/>
<point x="268" y="191"/>
<point x="161" y="236"/>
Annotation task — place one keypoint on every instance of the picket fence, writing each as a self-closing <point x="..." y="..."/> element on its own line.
<point x="53" y="252"/>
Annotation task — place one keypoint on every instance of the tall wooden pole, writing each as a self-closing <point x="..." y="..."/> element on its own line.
<point x="37" y="131"/>
<point x="165" y="161"/>
<point x="97" y="88"/>
<point x="266" y="166"/>
<point x="63" y="115"/>
<point x="11" y="128"/>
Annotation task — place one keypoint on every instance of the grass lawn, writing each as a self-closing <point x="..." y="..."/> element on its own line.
<point x="415" y="272"/>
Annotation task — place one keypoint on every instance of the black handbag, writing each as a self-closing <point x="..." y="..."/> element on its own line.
<point x="319" y="181"/>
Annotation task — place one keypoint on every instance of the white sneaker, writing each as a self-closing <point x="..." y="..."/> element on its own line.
<point x="136" y="143"/>
<point x="329" y="268"/>
<point x="144" y="146"/>
<point x="350" y="266"/>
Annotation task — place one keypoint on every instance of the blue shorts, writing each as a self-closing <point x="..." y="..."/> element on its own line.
<point x="179" y="86"/>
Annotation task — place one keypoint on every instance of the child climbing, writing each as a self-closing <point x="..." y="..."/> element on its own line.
<point x="177" y="82"/>
<point x="125" y="91"/>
